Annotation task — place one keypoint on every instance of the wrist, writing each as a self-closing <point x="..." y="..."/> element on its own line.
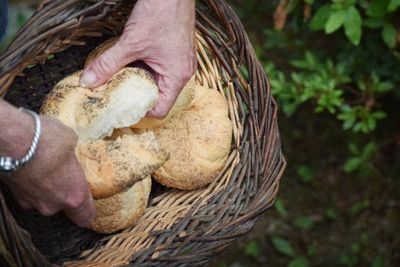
<point x="158" y="9"/>
<point x="16" y="132"/>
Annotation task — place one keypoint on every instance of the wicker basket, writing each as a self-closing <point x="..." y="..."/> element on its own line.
<point x="179" y="227"/>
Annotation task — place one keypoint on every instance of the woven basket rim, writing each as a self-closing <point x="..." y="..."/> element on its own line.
<point x="212" y="217"/>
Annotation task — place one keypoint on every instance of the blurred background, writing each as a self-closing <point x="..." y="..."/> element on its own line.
<point x="334" y="67"/>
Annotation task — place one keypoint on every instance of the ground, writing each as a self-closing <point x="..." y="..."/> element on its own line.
<point x="327" y="217"/>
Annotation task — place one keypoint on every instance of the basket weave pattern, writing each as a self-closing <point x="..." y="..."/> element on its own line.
<point x="178" y="227"/>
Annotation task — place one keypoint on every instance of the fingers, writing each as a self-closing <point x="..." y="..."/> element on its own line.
<point x="79" y="204"/>
<point x="103" y="67"/>
<point x="83" y="212"/>
<point x="24" y="203"/>
<point x="169" y="91"/>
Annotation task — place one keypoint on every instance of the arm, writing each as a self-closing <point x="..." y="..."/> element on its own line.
<point x="53" y="180"/>
<point x="160" y="33"/>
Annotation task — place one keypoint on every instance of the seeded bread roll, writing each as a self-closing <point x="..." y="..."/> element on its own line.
<point x="182" y="103"/>
<point x="116" y="161"/>
<point x="94" y="114"/>
<point x="112" y="166"/>
<point x="198" y="141"/>
<point x="122" y="210"/>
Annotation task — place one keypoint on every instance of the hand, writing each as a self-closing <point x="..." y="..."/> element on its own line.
<point x="161" y="34"/>
<point x="53" y="181"/>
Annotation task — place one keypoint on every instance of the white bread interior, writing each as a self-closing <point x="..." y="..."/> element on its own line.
<point x="116" y="161"/>
<point x="182" y="103"/>
<point x="94" y="114"/>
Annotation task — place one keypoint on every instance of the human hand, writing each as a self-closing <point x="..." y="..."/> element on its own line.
<point x="161" y="34"/>
<point x="54" y="180"/>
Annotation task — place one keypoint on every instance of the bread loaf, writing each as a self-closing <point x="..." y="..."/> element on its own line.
<point x="182" y="103"/>
<point x="94" y="114"/>
<point x="116" y="161"/>
<point x="198" y="141"/>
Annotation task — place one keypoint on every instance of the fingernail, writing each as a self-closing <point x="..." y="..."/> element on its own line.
<point x="88" y="78"/>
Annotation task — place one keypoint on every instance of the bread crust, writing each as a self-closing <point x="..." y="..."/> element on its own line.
<point x="94" y="114"/>
<point x="123" y="209"/>
<point x="182" y="103"/>
<point x="116" y="161"/>
<point x="113" y="166"/>
<point x="198" y="141"/>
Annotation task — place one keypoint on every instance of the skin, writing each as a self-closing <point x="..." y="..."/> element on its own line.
<point x="158" y="32"/>
<point x="53" y="180"/>
<point x="161" y="34"/>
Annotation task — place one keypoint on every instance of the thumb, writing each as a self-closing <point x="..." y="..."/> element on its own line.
<point x="84" y="214"/>
<point x="104" y="66"/>
<point x="169" y="92"/>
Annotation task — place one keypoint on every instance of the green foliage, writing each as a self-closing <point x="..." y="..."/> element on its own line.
<point x="360" y="206"/>
<point x="299" y="262"/>
<point x="352" y="15"/>
<point x="306" y="172"/>
<point x="18" y="15"/>
<point x="252" y="249"/>
<point x="351" y="258"/>
<point x="345" y="78"/>
<point x="304" y="222"/>
<point x="330" y="213"/>
<point x="283" y="246"/>
<point x="360" y="159"/>
<point x="379" y="261"/>
<point x="280" y="208"/>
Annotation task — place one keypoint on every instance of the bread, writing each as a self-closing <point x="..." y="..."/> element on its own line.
<point x="128" y="96"/>
<point x="112" y="166"/>
<point x="116" y="161"/>
<point x="122" y="210"/>
<point x="182" y="103"/>
<point x="198" y="141"/>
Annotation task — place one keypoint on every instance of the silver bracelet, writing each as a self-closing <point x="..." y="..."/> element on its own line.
<point x="8" y="164"/>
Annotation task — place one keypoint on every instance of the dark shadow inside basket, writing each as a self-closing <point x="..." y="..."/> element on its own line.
<point x="56" y="237"/>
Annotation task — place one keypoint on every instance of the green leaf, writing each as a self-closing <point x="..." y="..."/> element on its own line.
<point x="330" y="213"/>
<point x="320" y="18"/>
<point x="280" y="208"/>
<point x="310" y="2"/>
<point x="383" y="87"/>
<point x="349" y="3"/>
<point x="359" y="207"/>
<point x="379" y="261"/>
<point x="299" y="262"/>
<point x="373" y="23"/>
<point x="355" y="248"/>
<point x="335" y="21"/>
<point x="389" y="34"/>
<point x="282" y="246"/>
<point x="304" y="222"/>
<point x="312" y="250"/>
<point x="393" y="5"/>
<point x="377" y="8"/>
<point x="379" y="115"/>
<point x="352" y="164"/>
<point x="252" y="249"/>
<point x="369" y="150"/>
<point x="306" y="173"/>
<point x="352" y="25"/>
<point x="354" y="148"/>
